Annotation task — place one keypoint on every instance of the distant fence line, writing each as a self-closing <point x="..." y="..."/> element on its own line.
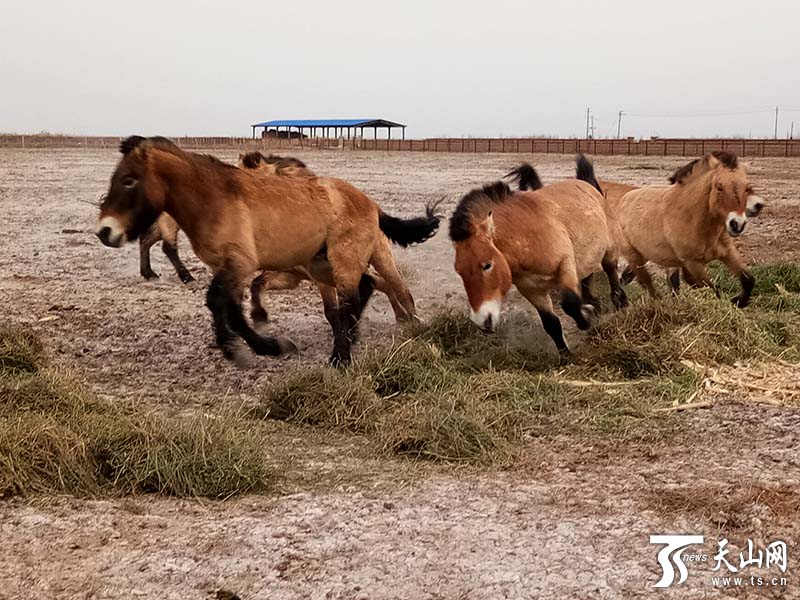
<point x="624" y="147"/>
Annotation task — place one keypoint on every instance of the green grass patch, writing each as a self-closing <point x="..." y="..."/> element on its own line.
<point x="56" y="437"/>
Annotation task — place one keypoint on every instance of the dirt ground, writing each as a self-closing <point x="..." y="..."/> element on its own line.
<point x="572" y="521"/>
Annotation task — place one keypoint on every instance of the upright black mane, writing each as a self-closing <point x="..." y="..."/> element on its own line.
<point x="490" y="193"/>
<point x="526" y="177"/>
<point x="728" y="160"/>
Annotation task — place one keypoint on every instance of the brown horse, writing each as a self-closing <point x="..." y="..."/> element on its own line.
<point x="552" y="238"/>
<point x="689" y="223"/>
<point x="394" y="288"/>
<point x="240" y="223"/>
<point x="166" y="229"/>
<point x="615" y="191"/>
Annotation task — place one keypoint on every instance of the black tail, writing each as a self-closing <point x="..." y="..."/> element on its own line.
<point x="405" y="232"/>
<point x="585" y="172"/>
<point x="527" y="177"/>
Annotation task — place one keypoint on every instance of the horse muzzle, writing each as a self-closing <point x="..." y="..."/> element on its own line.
<point x="110" y="233"/>
<point x="735" y="224"/>
<point x="487" y="316"/>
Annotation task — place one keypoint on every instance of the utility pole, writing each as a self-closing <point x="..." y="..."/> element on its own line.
<point x="588" y="111"/>
<point x="791" y="131"/>
<point x="619" y="124"/>
<point x="592" y="127"/>
<point x="776" y="122"/>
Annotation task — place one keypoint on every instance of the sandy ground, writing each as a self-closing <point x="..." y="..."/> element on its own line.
<point x="571" y="521"/>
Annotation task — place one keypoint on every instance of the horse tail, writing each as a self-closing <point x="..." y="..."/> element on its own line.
<point x="416" y="230"/>
<point x="526" y="176"/>
<point x="585" y="172"/>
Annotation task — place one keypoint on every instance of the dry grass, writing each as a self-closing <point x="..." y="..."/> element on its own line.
<point x="448" y="392"/>
<point x="733" y="507"/>
<point x="55" y="437"/>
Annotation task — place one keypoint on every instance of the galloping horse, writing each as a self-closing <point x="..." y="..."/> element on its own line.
<point x="239" y="223"/>
<point x="689" y="223"/>
<point x="166" y="229"/>
<point x="552" y="238"/>
<point x="615" y="191"/>
<point x="395" y="289"/>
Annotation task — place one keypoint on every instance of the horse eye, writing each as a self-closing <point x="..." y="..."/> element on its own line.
<point x="486" y="266"/>
<point x="128" y="182"/>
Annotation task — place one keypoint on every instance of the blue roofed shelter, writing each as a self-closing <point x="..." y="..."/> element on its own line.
<point x="323" y="127"/>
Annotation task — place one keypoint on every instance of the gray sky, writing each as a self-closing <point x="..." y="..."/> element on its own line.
<point x="488" y="68"/>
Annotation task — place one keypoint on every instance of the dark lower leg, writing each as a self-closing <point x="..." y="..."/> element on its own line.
<point x="618" y="296"/>
<point x="689" y="278"/>
<point x="145" y="268"/>
<point x="257" y="311"/>
<point x="552" y="325"/>
<point x="572" y="306"/>
<point x="216" y="303"/>
<point x="349" y="313"/>
<point x="748" y="282"/>
<point x="586" y="293"/>
<point x="627" y="275"/>
<point x="674" y="279"/>
<point x="171" y="250"/>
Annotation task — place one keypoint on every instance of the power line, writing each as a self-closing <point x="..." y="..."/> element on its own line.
<point x="682" y="115"/>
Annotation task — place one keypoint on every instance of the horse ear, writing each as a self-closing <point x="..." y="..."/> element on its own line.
<point x="712" y="161"/>
<point x="487" y="225"/>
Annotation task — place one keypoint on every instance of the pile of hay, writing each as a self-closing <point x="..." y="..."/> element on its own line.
<point x="55" y="437"/>
<point x="448" y="392"/>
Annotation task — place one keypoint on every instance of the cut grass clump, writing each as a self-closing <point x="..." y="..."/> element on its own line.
<point x="653" y="337"/>
<point x="56" y="437"/>
<point x="772" y="279"/>
<point x="414" y="398"/>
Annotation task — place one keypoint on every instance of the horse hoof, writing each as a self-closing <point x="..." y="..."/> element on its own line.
<point x="739" y="302"/>
<point x="240" y="355"/>
<point x="588" y="312"/>
<point x="287" y="346"/>
<point x="338" y="361"/>
<point x="150" y="275"/>
<point x="186" y="278"/>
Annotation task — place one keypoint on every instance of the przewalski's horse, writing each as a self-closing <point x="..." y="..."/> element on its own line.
<point x="614" y="192"/>
<point x="395" y="289"/>
<point x="689" y="223"/>
<point x="166" y="229"/>
<point x="552" y="238"/>
<point x="240" y="223"/>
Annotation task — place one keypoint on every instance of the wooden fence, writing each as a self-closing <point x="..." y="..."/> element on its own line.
<point x="626" y="147"/>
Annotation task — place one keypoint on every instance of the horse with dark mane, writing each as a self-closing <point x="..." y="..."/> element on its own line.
<point x="553" y="237"/>
<point x="239" y="223"/>
<point x="395" y="289"/>
<point x="690" y="223"/>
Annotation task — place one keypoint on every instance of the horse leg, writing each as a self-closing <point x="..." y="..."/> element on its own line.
<point x="224" y="299"/>
<point x="618" y="296"/>
<point x="583" y="314"/>
<point x="391" y="283"/>
<point x="627" y="275"/>
<point x="699" y="274"/>
<point x="736" y="265"/>
<point x="586" y="293"/>
<point x="689" y="278"/>
<point x="169" y="235"/>
<point x="271" y="280"/>
<point x="550" y="322"/>
<point x="145" y="243"/>
<point x="351" y="302"/>
<point x="674" y="279"/>
<point x="330" y="304"/>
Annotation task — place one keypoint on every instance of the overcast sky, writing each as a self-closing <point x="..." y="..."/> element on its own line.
<point x="488" y="68"/>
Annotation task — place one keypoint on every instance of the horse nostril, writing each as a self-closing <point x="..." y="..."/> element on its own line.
<point x="488" y="323"/>
<point x="104" y="234"/>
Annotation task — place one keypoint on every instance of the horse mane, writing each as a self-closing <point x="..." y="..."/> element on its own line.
<point x="491" y="193"/>
<point x="251" y="160"/>
<point x="130" y="143"/>
<point x="526" y="177"/>
<point x="728" y="160"/>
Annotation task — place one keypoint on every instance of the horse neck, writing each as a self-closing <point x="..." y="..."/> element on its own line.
<point x="183" y="186"/>
<point x="694" y="200"/>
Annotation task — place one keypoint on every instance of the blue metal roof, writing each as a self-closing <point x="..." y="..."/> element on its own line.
<point x="328" y="123"/>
